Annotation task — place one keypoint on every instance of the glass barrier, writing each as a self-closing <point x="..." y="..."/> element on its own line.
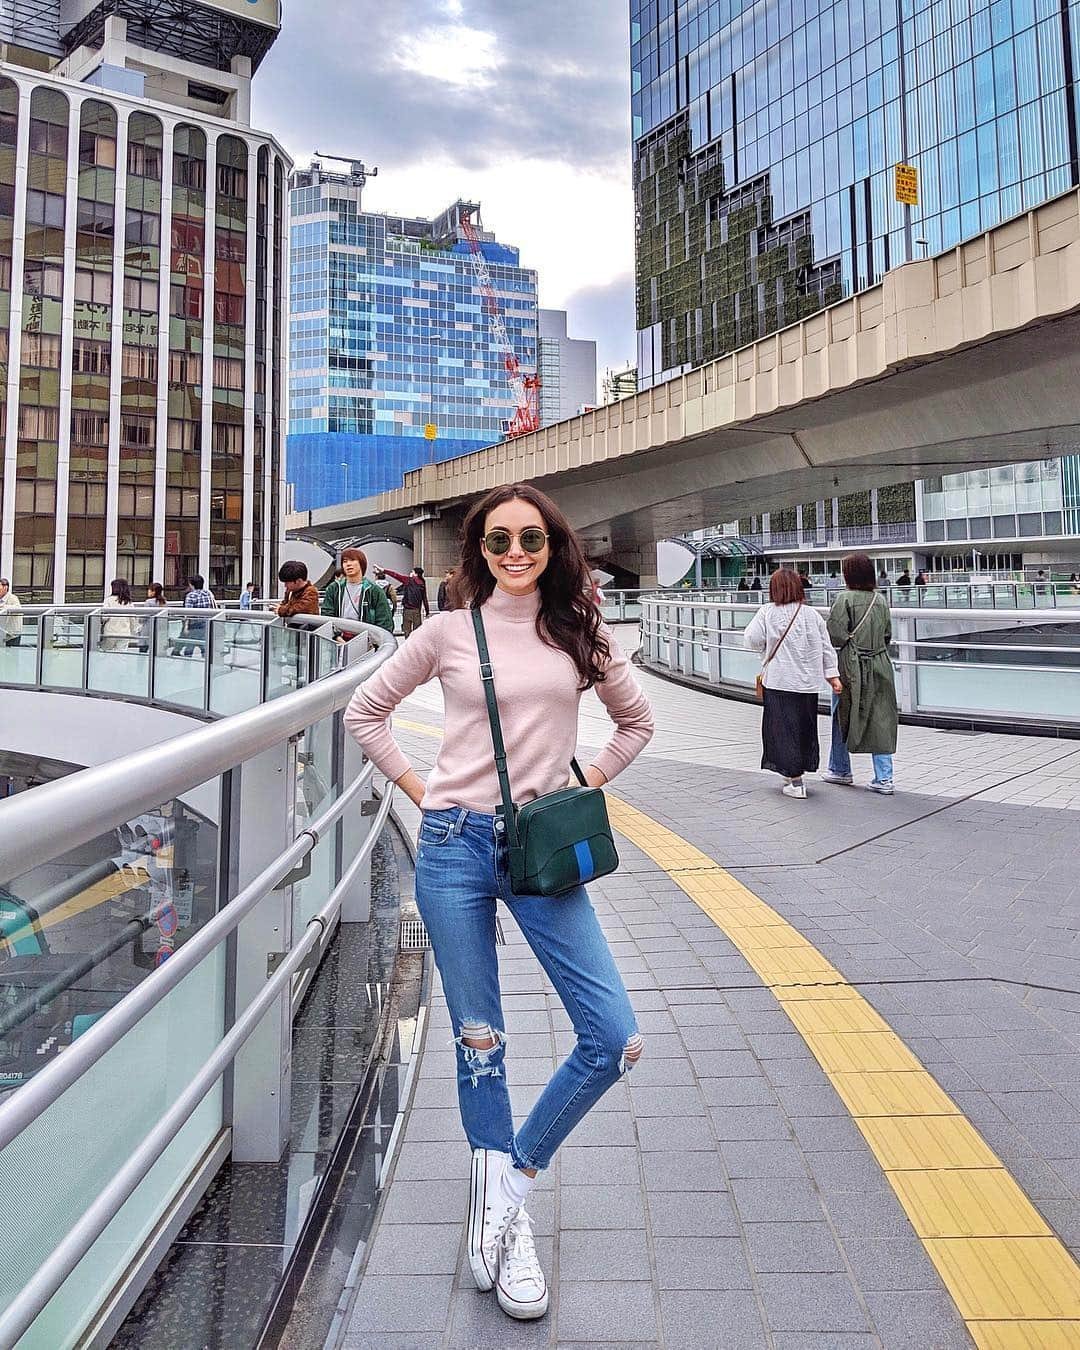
<point x="63" y="646"/>
<point x="19" y="638"/>
<point x="236" y="666"/>
<point x="76" y="935"/>
<point x="1017" y="691"/>
<point x="317" y="786"/>
<point x="118" y="658"/>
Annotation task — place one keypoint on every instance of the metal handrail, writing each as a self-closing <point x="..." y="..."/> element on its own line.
<point x="73" y="810"/>
<point x="55" y="1269"/>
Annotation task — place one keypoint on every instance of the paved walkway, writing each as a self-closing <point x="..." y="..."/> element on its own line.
<point x="857" y="1120"/>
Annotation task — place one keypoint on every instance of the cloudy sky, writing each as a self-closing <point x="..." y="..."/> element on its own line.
<point x="522" y="106"/>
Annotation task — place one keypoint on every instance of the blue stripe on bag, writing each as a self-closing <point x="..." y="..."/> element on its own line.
<point x="585" y="865"/>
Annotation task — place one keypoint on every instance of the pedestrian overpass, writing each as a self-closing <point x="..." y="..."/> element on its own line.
<point x="968" y="358"/>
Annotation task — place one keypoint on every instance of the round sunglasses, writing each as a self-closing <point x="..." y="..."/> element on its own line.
<point x="498" y="542"/>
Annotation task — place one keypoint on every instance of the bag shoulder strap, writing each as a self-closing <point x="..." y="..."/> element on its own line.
<point x="784" y="634"/>
<point x="869" y="610"/>
<point x="487" y="679"/>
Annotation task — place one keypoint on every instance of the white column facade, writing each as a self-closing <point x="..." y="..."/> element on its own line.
<point x="274" y="435"/>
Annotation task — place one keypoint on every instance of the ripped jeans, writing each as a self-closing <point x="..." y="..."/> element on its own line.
<point x="461" y="870"/>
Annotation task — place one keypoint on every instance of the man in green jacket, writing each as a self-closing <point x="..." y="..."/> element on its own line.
<point x="354" y="597"/>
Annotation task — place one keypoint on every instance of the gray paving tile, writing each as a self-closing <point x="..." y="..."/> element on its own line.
<point x="589" y="1311"/>
<point x="606" y="1128"/>
<point x="722" y="1092"/>
<point x="618" y="1165"/>
<point x="890" y="1264"/>
<point x="394" y="1303"/>
<point x="479" y="1323"/>
<point x="602" y="1207"/>
<point x="763" y="1158"/>
<point x="789" y="1201"/>
<point x="415" y="1249"/>
<point x="433" y="1125"/>
<point x="683" y="1172"/>
<point x="701" y="1263"/>
<point x="815" y="1302"/>
<point x="425" y="1202"/>
<point x="678" y="1214"/>
<point x="433" y="1162"/>
<point x="679" y="1134"/>
<point x="662" y="1101"/>
<point x="732" y="1123"/>
<point x="697" y="1320"/>
<point x="917" y="1318"/>
<point x="604" y="1254"/>
<point x="805" y="1248"/>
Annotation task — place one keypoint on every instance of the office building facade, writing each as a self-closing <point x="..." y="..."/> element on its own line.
<point x="142" y="294"/>
<point x="767" y="141"/>
<point x="567" y="370"/>
<point x="393" y="359"/>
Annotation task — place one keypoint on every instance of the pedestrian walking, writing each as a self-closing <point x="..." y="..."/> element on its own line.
<point x="11" y="620"/>
<point x="799" y="659"/>
<point x="414" y="600"/>
<point x="444" y="599"/>
<point x="247" y="596"/>
<point x="526" y="599"/>
<point x="921" y="580"/>
<point x="865" y="715"/>
<point x="300" y="596"/>
<point x="354" y="597"/>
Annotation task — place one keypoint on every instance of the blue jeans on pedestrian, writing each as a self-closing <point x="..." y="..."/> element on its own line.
<point x="840" y="760"/>
<point x="461" y="870"/>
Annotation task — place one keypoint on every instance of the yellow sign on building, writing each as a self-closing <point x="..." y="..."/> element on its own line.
<point x="907" y="184"/>
<point x="431" y="431"/>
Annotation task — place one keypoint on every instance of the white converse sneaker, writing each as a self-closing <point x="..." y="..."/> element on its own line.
<point x="840" y="779"/>
<point x="521" y="1289"/>
<point x="796" y="790"/>
<point x="489" y="1217"/>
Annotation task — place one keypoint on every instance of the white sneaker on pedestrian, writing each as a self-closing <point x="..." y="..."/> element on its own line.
<point x="840" y="779"/>
<point x="521" y="1289"/>
<point x="886" y="789"/>
<point x="489" y="1215"/>
<point x="797" y="790"/>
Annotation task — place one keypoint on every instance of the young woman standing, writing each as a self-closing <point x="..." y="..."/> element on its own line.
<point x="523" y="566"/>
<point x="799" y="659"/>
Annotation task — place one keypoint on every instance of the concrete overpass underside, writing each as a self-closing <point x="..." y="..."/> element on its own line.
<point x="970" y="358"/>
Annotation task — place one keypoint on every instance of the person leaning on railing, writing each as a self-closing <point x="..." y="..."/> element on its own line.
<point x="353" y="596"/>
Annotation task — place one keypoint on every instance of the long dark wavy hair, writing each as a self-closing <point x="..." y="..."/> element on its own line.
<point x="569" y="619"/>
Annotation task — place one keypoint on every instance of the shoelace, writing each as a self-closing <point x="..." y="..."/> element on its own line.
<point x="522" y="1263"/>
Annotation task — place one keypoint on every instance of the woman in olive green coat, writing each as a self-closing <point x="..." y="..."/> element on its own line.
<point x="865" y="715"/>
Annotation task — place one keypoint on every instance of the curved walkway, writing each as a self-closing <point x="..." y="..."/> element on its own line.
<point x="857" y="1121"/>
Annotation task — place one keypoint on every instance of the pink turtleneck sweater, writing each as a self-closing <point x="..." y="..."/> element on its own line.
<point x="536" y="686"/>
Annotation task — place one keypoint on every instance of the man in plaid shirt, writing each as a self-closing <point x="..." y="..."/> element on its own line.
<point x="197" y="597"/>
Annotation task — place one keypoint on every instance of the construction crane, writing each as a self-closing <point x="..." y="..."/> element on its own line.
<point x="525" y="388"/>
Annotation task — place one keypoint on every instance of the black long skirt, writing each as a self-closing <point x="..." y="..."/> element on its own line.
<point x="789" y="733"/>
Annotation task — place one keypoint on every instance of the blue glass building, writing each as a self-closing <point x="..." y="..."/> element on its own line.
<point x="389" y="336"/>
<point x="767" y="133"/>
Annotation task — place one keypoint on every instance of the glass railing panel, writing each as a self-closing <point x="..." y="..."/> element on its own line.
<point x="327" y="655"/>
<point x="118" y="661"/>
<point x="1012" y="692"/>
<point x="236" y="665"/>
<point x="317" y="786"/>
<point x="1043" y="596"/>
<point x="700" y="647"/>
<point x="62" y="651"/>
<point x="52" y="1172"/>
<point x="76" y="935"/>
<point x="180" y="659"/>
<point x="287" y="661"/>
<point x="738" y="665"/>
<point x="19" y="637"/>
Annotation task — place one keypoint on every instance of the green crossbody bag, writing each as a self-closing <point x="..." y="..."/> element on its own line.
<point x="560" y="840"/>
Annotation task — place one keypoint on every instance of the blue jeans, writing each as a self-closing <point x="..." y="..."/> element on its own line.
<point x="461" y="870"/>
<point x="840" y="760"/>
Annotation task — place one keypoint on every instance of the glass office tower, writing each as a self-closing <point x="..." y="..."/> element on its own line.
<point x="767" y="137"/>
<point x="389" y="338"/>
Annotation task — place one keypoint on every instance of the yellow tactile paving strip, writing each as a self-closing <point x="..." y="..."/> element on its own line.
<point x="1013" y="1281"/>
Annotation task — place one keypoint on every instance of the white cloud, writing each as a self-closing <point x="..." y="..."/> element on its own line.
<point x="451" y="53"/>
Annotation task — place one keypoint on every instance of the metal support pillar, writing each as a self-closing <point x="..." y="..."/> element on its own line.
<point x="262" y="825"/>
<point x="907" y="687"/>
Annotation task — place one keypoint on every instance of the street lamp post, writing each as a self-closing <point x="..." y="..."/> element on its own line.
<point x="345" y="474"/>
